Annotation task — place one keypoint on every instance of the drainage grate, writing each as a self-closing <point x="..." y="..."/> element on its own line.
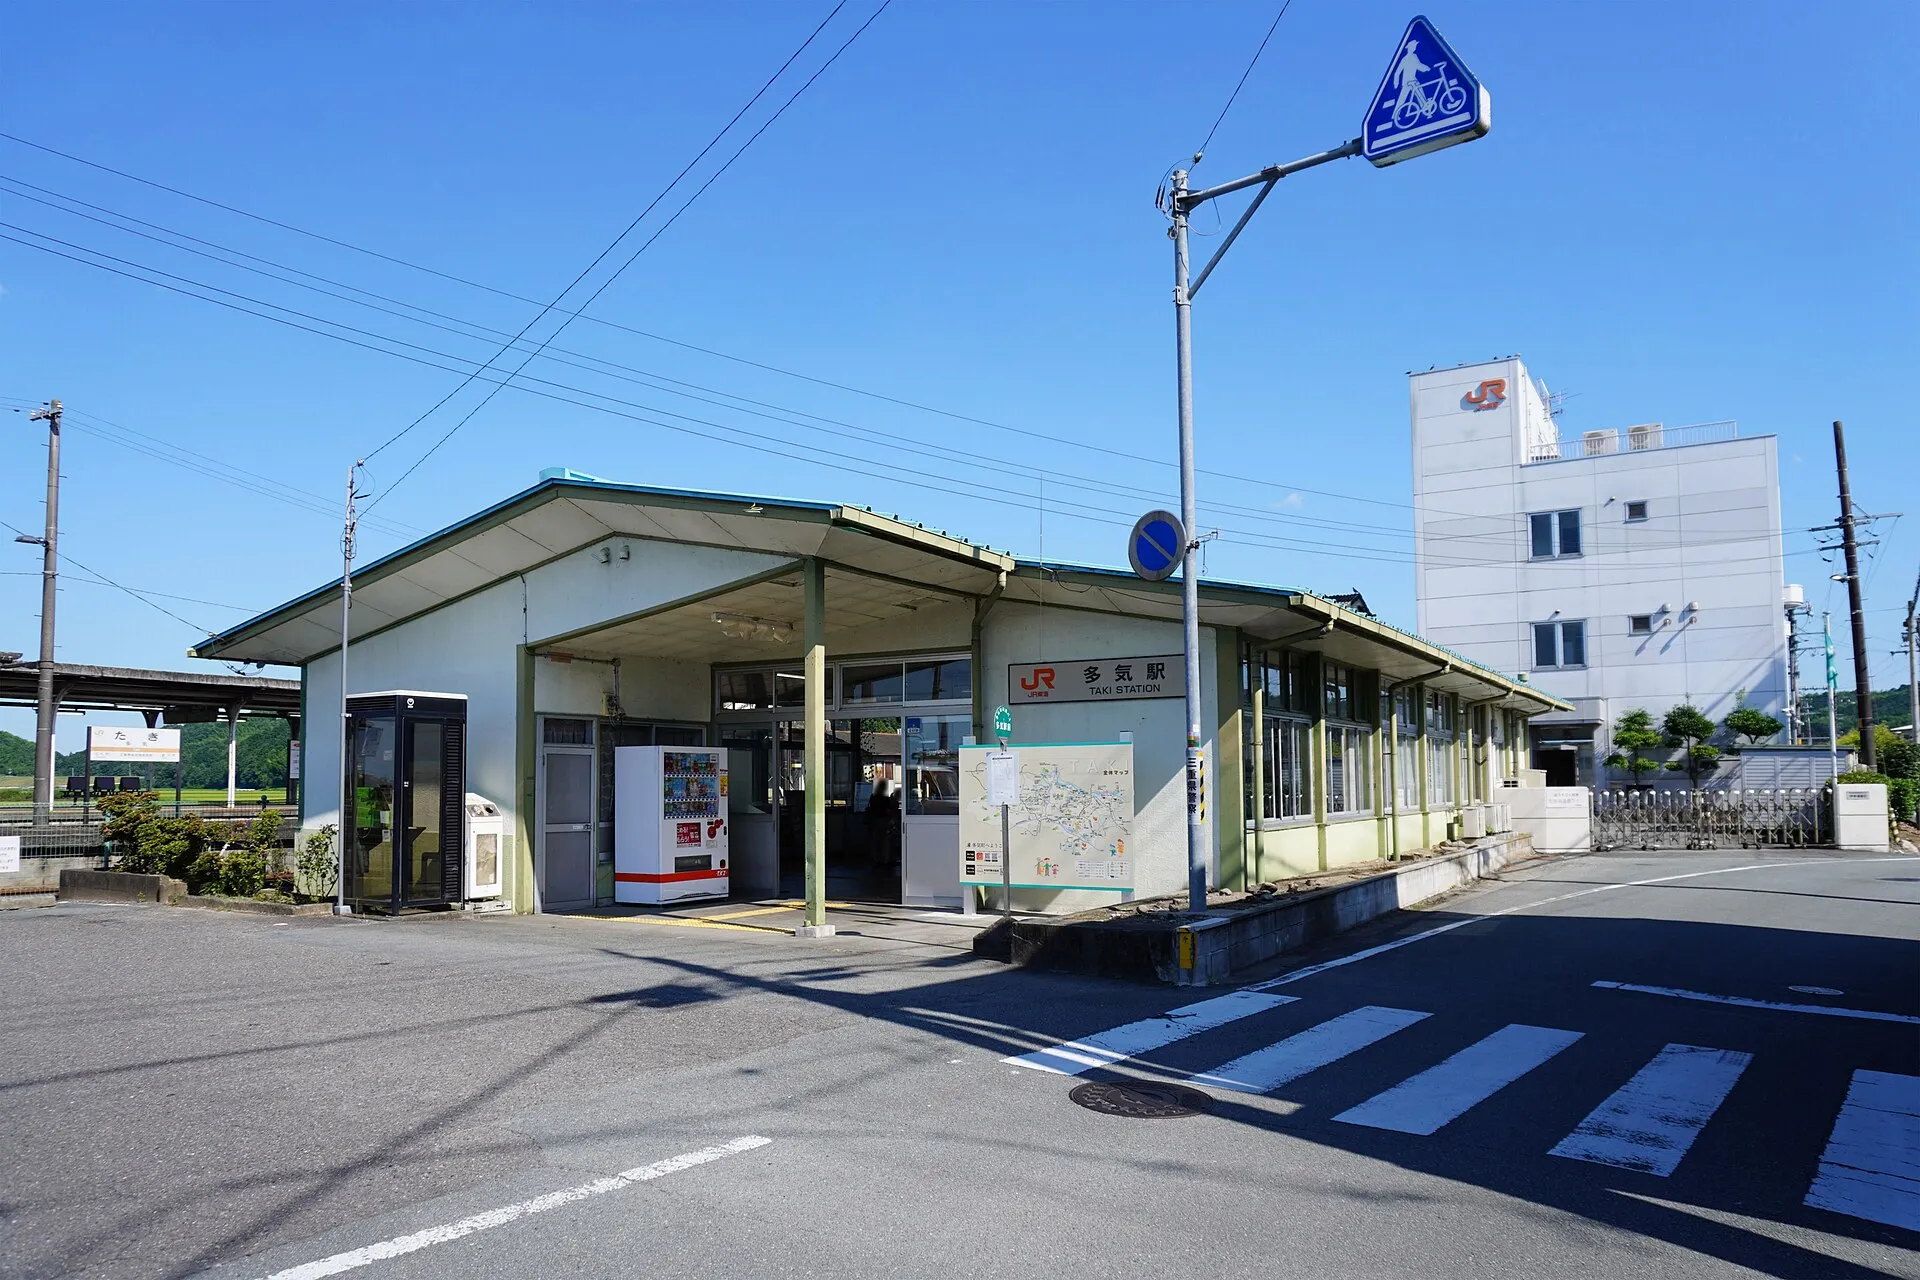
<point x="1141" y="1100"/>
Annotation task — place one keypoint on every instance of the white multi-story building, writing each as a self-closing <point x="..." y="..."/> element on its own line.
<point x="1628" y="567"/>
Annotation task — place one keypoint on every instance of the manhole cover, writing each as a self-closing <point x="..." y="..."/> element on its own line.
<point x="1140" y="1100"/>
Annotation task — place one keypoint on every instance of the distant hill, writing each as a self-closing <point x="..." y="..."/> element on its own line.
<point x="1890" y="707"/>
<point x="261" y="757"/>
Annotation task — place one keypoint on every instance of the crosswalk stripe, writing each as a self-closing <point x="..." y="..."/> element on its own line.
<point x="1650" y="1122"/>
<point x="1289" y="1059"/>
<point x="1871" y="1167"/>
<point x="1076" y="1056"/>
<point x="1423" y="1103"/>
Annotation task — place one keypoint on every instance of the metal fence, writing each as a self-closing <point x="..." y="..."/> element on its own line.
<point x="1791" y="818"/>
<point x="76" y="832"/>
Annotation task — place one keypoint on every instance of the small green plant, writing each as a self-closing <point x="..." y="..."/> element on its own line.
<point x="1635" y="733"/>
<point x="318" y="871"/>
<point x="1687" y="728"/>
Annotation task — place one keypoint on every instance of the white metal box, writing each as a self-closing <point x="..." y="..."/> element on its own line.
<point x="486" y="832"/>
<point x="1860" y="816"/>
<point x="669" y="824"/>
<point x="1473" y="822"/>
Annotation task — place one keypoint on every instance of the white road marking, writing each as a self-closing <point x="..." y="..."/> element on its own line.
<point x="1818" y="991"/>
<point x="1747" y="1002"/>
<point x="1423" y="1103"/>
<point x="1871" y="1167"/>
<point x="1076" y="1056"/>
<point x="355" y="1258"/>
<point x="1649" y="1123"/>
<point x="1289" y="1059"/>
<point x="1449" y="927"/>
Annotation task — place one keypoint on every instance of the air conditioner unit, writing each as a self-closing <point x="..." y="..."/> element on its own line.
<point x="1645" y="436"/>
<point x="1473" y="822"/>
<point x="1595" y="443"/>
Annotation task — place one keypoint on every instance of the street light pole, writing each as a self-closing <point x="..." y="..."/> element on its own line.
<point x="43" y="757"/>
<point x="350" y="526"/>
<point x="1185" y="285"/>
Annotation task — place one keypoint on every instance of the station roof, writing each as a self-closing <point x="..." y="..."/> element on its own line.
<point x="89" y="688"/>
<point x="878" y="566"/>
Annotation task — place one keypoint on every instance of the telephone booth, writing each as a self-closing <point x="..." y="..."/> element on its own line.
<point x="405" y="800"/>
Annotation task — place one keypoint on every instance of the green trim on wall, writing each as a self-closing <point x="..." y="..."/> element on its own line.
<point x="520" y="888"/>
<point x="1229" y="804"/>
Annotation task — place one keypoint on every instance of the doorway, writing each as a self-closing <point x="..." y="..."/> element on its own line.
<point x="863" y="802"/>
<point x="566" y="814"/>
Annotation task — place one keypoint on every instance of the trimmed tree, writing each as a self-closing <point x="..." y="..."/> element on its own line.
<point x="1688" y="728"/>
<point x="1633" y="734"/>
<point x="1751" y="723"/>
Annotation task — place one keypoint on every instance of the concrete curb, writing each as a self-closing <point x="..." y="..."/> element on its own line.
<point x="1185" y="951"/>
<point x="214" y="902"/>
<point x="77" y="885"/>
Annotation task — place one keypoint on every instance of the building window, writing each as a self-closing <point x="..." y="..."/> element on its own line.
<point x="1560" y="644"/>
<point x="1442" y="730"/>
<point x="1640" y="624"/>
<point x="1339" y="703"/>
<point x="1349" y="769"/>
<point x="1554" y="534"/>
<point x="1283" y="677"/>
<point x="1287" y="773"/>
<point x="1406" y="746"/>
<point x="1636" y="512"/>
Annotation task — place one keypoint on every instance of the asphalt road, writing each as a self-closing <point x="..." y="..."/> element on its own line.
<point x="184" y="1090"/>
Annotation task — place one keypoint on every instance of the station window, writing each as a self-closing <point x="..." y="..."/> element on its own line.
<point x="1554" y="534"/>
<point x="870" y="683"/>
<point x="940" y="680"/>
<point x="1636" y="512"/>
<point x="1560" y="644"/>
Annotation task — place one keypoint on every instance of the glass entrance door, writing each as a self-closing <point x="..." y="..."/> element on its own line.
<point x="863" y="802"/>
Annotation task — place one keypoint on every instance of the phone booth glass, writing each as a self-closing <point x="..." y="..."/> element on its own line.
<point x="405" y="800"/>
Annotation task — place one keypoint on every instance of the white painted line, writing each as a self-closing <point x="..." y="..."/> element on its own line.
<point x="1423" y="1103"/>
<point x="1449" y="927"/>
<point x="1077" y="1056"/>
<point x="1649" y="1123"/>
<point x="1818" y="991"/>
<point x="1871" y="1167"/>
<point x="1269" y="1068"/>
<point x="355" y="1258"/>
<point x="1746" y="1002"/>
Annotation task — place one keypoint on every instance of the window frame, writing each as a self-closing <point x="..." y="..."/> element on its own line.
<point x="1556" y="527"/>
<point x="1559" y="632"/>
<point x="1634" y="621"/>
<point x="1644" y="515"/>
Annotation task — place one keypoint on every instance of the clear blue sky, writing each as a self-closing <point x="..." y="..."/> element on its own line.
<point x="1684" y="213"/>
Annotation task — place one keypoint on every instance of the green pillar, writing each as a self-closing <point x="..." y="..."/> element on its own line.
<point x="814" y="750"/>
<point x="1317" y="751"/>
<point x="1257" y="671"/>
<point x="1230" y="804"/>
<point x="1420" y="765"/>
<point x="520" y="871"/>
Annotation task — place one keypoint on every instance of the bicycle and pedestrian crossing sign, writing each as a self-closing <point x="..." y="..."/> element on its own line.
<point x="1427" y="100"/>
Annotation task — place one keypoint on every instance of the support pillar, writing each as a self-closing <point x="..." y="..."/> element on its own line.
<point x="814" y="748"/>
<point x="233" y="753"/>
<point x="1229" y="767"/>
<point x="1257" y="672"/>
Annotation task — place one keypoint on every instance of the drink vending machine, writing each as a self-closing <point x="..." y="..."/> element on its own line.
<point x="670" y="823"/>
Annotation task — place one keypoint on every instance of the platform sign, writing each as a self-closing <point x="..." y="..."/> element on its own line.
<point x="1003" y="778"/>
<point x="9" y="853"/>
<point x="1156" y="544"/>
<point x="1427" y="100"/>
<point x="133" y="746"/>
<point x="1003" y="722"/>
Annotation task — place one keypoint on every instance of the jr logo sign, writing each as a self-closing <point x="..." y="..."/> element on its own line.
<point x="1038" y="682"/>
<point x="1490" y="394"/>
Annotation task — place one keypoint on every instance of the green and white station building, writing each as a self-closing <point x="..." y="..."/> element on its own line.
<point x="844" y="657"/>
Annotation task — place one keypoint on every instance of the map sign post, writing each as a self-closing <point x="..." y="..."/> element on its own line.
<point x="1067" y="823"/>
<point x="1428" y="100"/>
<point x="1003" y="789"/>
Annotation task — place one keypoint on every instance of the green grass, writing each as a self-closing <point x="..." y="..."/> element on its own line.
<point x="245" y="796"/>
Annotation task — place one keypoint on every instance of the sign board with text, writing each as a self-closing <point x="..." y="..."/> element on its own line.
<point x="1160" y="675"/>
<point x="133" y="746"/>
<point x="9" y="853"/>
<point x="1070" y="822"/>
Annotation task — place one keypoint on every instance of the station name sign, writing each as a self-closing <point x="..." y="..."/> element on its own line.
<point x="1160" y="675"/>
<point x="133" y="746"/>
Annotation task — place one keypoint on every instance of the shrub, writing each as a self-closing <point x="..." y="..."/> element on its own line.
<point x="318" y="873"/>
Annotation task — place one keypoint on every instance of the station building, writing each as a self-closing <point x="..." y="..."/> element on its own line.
<point x="580" y="616"/>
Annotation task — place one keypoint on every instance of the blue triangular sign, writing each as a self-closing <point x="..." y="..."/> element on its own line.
<point x="1427" y="100"/>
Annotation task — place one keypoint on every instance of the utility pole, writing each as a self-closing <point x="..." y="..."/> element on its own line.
<point x="345" y="825"/>
<point x="1795" y="718"/>
<point x="1913" y="664"/>
<point x="1862" y="676"/>
<point x="49" y="579"/>
<point x="1833" y="689"/>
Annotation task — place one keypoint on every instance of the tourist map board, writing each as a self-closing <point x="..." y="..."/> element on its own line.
<point x="1072" y="827"/>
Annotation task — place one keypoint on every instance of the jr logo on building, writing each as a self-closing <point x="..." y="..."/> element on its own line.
<point x="1490" y="394"/>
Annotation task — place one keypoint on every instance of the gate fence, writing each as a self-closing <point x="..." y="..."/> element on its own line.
<point x="1790" y="818"/>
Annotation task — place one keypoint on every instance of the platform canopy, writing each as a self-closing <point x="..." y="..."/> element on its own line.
<point x="178" y="696"/>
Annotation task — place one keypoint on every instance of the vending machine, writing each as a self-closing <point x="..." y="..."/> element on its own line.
<point x="670" y="823"/>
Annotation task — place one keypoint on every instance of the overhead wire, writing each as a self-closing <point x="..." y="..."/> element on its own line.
<point x="106" y="581"/>
<point x="1201" y="150"/>
<point x="601" y="256"/>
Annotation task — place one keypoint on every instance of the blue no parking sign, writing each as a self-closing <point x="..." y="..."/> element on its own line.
<point x="1156" y="545"/>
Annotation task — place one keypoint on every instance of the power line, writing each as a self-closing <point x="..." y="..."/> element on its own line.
<point x="598" y="258"/>
<point x="109" y="582"/>
<point x="1202" y="149"/>
<point x="648" y="243"/>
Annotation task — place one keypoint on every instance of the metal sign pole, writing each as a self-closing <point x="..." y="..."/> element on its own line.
<point x="1006" y="866"/>
<point x="1189" y="552"/>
